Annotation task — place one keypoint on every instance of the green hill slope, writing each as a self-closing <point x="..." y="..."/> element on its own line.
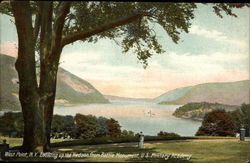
<point x="172" y="95"/>
<point x="231" y="93"/>
<point x="70" y="88"/>
<point x="197" y="111"/>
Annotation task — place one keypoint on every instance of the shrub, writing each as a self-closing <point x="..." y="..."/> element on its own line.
<point x="241" y="117"/>
<point x="11" y="124"/>
<point x="114" y="129"/>
<point x="166" y="134"/>
<point x="217" y="123"/>
<point x="86" y="125"/>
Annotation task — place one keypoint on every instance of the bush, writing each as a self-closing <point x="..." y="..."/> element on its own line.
<point x="86" y="125"/>
<point x="241" y="118"/>
<point x="166" y="134"/>
<point x="114" y="129"/>
<point x="217" y="123"/>
<point x="11" y="124"/>
<point x="80" y="126"/>
<point x="108" y="140"/>
<point x="127" y="133"/>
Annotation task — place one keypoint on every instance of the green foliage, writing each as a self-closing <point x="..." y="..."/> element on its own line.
<point x="166" y="134"/>
<point x="127" y="133"/>
<point x="135" y="34"/>
<point x="80" y="126"/>
<point x="63" y="126"/>
<point x="102" y="128"/>
<point x="197" y="110"/>
<point x="86" y="125"/>
<point x="114" y="129"/>
<point x="108" y="140"/>
<point x="217" y="123"/>
<point x="11" y="124"/>
<point x="241" y="118"/>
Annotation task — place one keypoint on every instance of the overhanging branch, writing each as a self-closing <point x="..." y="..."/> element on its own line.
<point x="83" y="35"/>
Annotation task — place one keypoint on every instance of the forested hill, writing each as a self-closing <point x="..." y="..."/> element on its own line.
<point x="231" y="93"/>
<point x="197" y="111"/>
<point x="70" y="88"/>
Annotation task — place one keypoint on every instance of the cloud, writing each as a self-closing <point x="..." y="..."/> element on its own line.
<point x="164" y="73"/>
<point x="209" y="63"/>
<point x="216" y="35"/>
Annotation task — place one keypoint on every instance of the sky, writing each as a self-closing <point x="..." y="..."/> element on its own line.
<point x="214" y="50"/>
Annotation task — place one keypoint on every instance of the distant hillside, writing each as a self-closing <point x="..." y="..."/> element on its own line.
<point x="117" y="98"/>
<point x="231" y="93"/>
<point x="197" y="111"/>
<point x="70" y="88"/>
<point x="76" y="90"/>
<point x="8" y="84"/>
<point x="172" y="95"/>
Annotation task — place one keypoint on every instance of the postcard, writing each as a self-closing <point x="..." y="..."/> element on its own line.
<point x="102" y="81"/>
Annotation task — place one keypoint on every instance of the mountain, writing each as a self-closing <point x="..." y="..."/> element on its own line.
<point x="231" y="93"/>
<point x="76" y="90"/>
<point x="8" y="84"/>
<point x="197" y="110"/>
<point x="118" y="98"/>
<point x="70" y="88"/>
<point x="172" y="95"/>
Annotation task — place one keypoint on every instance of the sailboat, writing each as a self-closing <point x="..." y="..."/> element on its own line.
<point x="149" y="114"/>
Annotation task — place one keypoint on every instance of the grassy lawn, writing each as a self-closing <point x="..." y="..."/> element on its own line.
<point x="202" y="152"/>
<point x="208" y="152"/>
<point x="13" y="142"/>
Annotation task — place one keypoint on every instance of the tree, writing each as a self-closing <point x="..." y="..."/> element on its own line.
<point x="11" y="124"/>
<point x="44" y="28"/>
<point x="63" y="124"/>
<point x="102" y="128"/>
<point x="114" y="129"/>
<point x="86" y="125"/>
<point x="166" y="134"/>
<point x="241" y="117"/>
<point x="126" y="133"/>
<point x="217" y="123"/>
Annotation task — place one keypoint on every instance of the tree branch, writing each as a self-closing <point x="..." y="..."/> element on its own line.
<point x="61" y="13"/>
<point x="83" y="35"/>
<point x="25" y="63"/>
<point x="46" y="27"/>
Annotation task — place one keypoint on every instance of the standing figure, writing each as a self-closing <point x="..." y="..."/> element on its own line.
<point x="141" y="140"/>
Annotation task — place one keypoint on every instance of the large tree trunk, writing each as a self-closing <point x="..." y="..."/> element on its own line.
<point x="47" y="98"/>
<point x="37" y="102"/>
<point x="28" y="88"/>
<point x="37" y="108"/>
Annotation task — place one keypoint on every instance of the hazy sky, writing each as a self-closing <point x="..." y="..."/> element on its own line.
<point x="215" y="50"/>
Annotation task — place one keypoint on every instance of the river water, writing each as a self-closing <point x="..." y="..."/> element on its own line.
<point x="137" y="116"/>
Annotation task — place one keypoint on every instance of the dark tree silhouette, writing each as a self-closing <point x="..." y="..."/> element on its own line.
<point x="217" y="123"/>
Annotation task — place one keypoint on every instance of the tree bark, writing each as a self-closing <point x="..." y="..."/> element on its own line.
<point x="37" y="102"/>
<point x="28" y="88"/>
